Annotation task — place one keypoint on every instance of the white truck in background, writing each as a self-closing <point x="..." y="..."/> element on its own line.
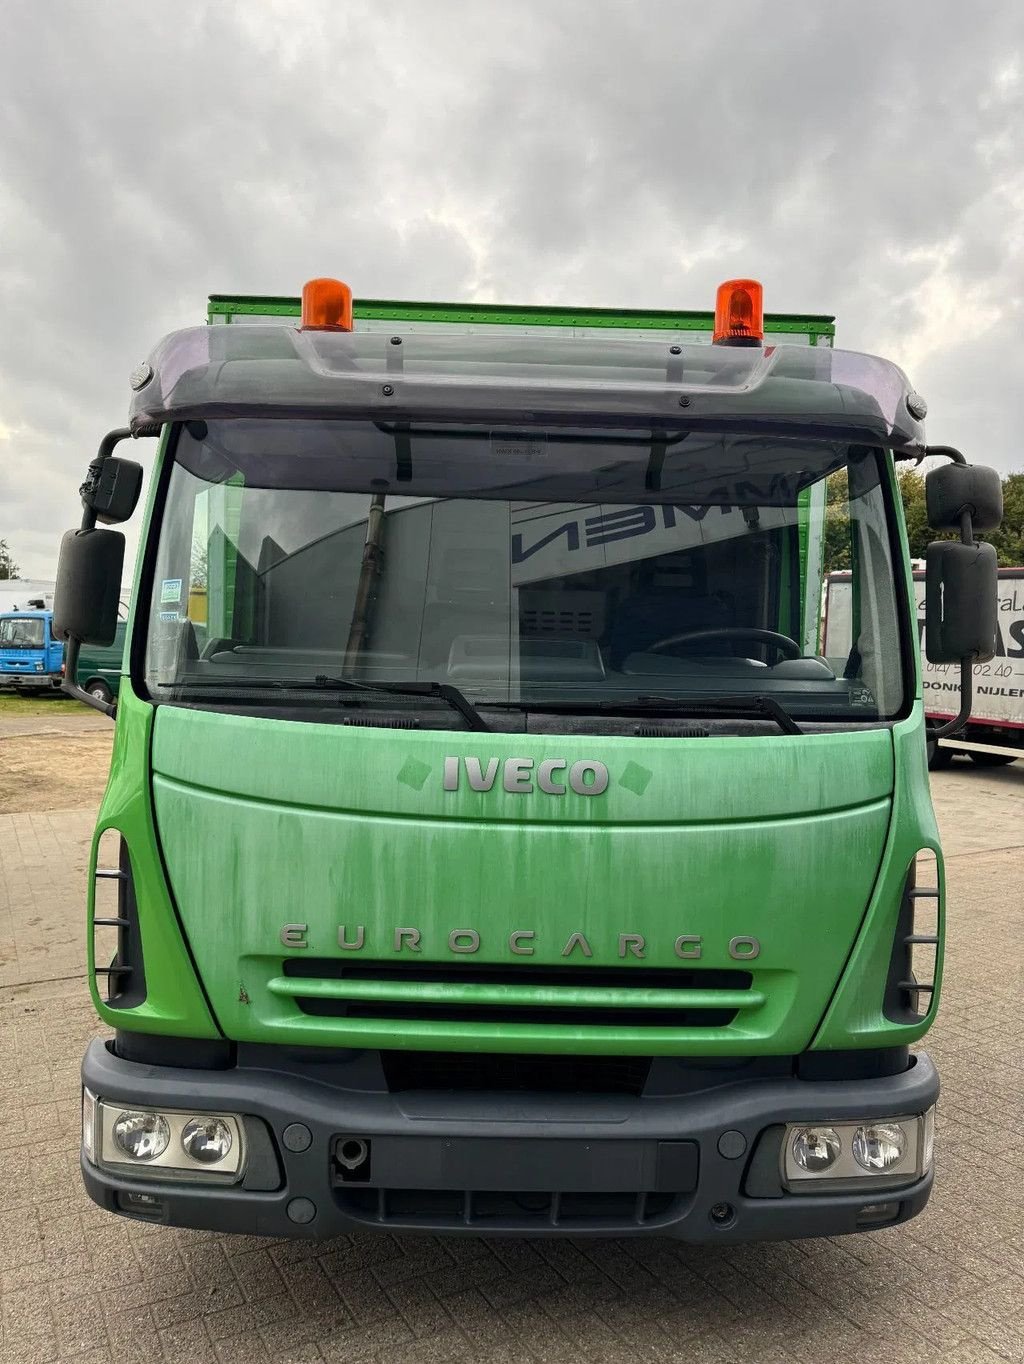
<point x="994" y="734"/>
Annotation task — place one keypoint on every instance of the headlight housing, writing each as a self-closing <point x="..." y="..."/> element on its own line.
<point x="874" y="1153"/>
<point x="163" y="1143"/>
<point x="141" y="1136"/>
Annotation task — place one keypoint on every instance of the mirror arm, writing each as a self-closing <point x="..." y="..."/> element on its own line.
<point x="943" y="452"/>
<point x="71" y="688"/>
<point x="73" y="646"/>
<point x="966" y="702"/>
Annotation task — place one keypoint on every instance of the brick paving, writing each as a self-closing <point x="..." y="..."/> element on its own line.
<point x="78" y="1284"/>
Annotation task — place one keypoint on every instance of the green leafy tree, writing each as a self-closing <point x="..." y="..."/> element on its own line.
<point x="1008" y="540"/>
<point x="8" y="568"/>
<point x="837" y="523"/>
<point x="915" y="509"/>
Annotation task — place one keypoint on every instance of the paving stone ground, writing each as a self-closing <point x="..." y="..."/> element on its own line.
<point x="78" y="1284"/>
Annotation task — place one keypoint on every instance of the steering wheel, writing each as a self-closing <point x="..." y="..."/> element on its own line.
<point x="789" y="648"/>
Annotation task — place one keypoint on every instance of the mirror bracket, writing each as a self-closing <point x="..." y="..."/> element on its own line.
<point x="955" y="725"/>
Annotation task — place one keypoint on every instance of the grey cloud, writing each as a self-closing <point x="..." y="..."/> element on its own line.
<point x="860" y="159"/>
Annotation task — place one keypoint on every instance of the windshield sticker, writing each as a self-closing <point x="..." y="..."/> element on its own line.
<point x="507" y="449"/>
<point x="170" y="591"/>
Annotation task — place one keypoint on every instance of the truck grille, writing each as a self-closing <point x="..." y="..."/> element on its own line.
<point x="446" y="1209"/>
<point x="637" y="997"/>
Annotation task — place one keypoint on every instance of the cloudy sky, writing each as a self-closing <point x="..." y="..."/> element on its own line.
<point x="863" y="159"/>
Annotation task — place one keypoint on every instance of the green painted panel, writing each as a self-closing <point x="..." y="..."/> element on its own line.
<point x="772" y="838"/>
<point x="398" y="774"/>
<point x="855" y="1017"/>
<point x="174" y="1003"/>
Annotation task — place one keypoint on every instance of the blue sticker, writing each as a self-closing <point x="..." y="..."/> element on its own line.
<point x="170" y="591"/>
<point x="169" y="615"/>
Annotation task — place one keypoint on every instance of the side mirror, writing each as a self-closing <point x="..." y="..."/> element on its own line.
<point x="961" y="608"/>
<point x="88" y="590"/>
<point x="958" y="489"/>
<point x="111" y="489"/>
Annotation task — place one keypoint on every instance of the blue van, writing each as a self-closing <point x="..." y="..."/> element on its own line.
<point x="31" y="657"/>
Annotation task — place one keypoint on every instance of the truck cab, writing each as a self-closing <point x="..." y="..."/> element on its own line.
<point x="490" y="845"/>
<point x="31" y="655"/>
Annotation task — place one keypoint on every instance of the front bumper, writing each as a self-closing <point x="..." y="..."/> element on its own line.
<point x="700" y="1166"/>
<point x="30" y="681"/>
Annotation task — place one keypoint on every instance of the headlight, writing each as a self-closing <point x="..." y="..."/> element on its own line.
<point x="816" y="1149"/>
<point x="880" y="1146"/>
<point x="142" y="1136"/>
<point x="207" y="1140"/>
<point x="164" y="1143"/>
<point x="854" y="1155"/>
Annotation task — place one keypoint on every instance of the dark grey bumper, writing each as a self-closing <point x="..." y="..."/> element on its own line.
<point x="30" y="681"/>
<point x="700" y="1166"/>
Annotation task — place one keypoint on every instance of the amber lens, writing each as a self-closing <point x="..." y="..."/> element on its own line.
<point x="326" y="305"/>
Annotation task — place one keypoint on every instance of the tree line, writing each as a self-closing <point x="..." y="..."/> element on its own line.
<point x="8" y="568"/>
<point x="1008" y="540"/>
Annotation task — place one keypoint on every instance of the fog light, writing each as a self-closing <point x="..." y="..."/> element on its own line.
<point x="207" y="1140"/>
<point x="142" y="1136"/>
<point x="816" y="1148"/>
<point x="880" y="1146"/>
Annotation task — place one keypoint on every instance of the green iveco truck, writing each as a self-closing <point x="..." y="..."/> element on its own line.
<point x="491" y="844"/>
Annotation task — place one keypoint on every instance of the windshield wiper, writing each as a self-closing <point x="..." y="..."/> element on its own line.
<point x="444" y="691"/>
<point x="747" y="707"/>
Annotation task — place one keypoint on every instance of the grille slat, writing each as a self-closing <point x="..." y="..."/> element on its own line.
<point x="479" y="1210"/>
<point x="525" y="994"/>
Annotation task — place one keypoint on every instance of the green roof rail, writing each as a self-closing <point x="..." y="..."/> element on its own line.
<point x="810" y="328"/>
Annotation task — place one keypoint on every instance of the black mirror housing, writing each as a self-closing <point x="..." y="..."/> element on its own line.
<point x="958" y="488"/>
<point x="88" y="588"/>
<point x="111" y="490"/>
<point x="961" y="606"/>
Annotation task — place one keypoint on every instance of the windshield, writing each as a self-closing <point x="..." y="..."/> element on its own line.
<point x="533" y="568"/>
<point x="21" y="632"/>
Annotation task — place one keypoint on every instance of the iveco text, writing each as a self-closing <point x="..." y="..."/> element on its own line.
<point x="517" y="775"/>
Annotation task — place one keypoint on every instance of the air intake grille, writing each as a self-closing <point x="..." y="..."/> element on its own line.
<point x="453" y="1209"/>
<point x="589" y="996"/>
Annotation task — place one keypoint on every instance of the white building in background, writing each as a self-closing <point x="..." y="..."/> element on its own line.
<point x="18" y="594"/>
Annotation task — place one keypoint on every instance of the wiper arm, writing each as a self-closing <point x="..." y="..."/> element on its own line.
<point x="740" y="706"/>
<point x="728" y="705"/>
<point x="444" y="691"/>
